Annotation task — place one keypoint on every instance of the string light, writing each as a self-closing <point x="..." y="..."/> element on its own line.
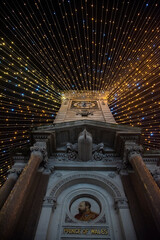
<point x="51" y="46"/>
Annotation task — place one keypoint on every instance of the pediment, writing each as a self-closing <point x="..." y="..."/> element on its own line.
<point x="101" y="132"/>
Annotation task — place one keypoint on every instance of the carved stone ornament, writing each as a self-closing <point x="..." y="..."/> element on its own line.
<point x="122" y="168"/>
<point x="68" y="219"/>
<point x="50" y="202"/>
<point x="90" y="178"/>
<point x="98" y="153"/>
<point x="131" y="149"/>
<point x="63" y="157"/>
<point x="112" y="175"/>
<point x="156" y="175"/>
<point x="16" y="171"/>
<point x="73" y="157"/>
<point x="98" y="156"/>
<point x="102" y="220"/>
<point x="121" y="203"/>
<point x="98" y="147"/>
<point x="41" y="148"/>
<point x="20" y="158"/>
<point x="84" y="113"/>
<point x="72" y="147"/>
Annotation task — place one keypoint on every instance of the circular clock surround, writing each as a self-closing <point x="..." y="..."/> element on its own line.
<point x="84" y="104"/>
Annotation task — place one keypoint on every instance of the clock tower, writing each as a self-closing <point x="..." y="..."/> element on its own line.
<point x="84" y="105"/>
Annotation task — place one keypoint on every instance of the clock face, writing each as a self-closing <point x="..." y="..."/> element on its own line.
<point x="84" y="104"/>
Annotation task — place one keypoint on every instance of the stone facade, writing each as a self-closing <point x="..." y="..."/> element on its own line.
<point x="87" y="170"/>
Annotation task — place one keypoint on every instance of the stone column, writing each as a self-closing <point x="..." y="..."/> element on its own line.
<point x="7" y="187"/>
<point x="148" y="185"/>
<point x="12" y="208"/>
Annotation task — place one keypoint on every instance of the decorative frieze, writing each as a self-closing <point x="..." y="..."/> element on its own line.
<point x="73" y="157"/>
<point x="20" y="158"/>
<point x="90" y="177"/>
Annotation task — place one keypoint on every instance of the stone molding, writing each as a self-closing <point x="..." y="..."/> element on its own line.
<point x="50" y="202"/>
<point x="20" y="158"/>
<point x="41" y="136"/>
<point x="68" y="219"/>
<point x="79" y="178"/>
<point x="47" y="171"/>
<point x="121" y="203"/>
<point x="90" y="193"/>
<point x="73" y="157"/>
<point x="150" y="159"/>
<point x="102" y="220"/>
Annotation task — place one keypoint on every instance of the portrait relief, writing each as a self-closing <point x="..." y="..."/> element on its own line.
<point x="85" y="212"/>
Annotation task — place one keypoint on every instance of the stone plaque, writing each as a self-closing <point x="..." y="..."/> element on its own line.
<point x="85" y="220"/>
<point x="88" y="232"/>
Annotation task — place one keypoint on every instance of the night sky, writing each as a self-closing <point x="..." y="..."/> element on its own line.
<point x="49" y="46"/>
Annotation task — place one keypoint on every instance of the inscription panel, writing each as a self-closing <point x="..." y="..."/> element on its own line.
<point x="85" y="232"/>
<point x="85" y="216"/>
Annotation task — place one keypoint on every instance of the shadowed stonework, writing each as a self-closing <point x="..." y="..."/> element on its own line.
<point x="86" y="178"/>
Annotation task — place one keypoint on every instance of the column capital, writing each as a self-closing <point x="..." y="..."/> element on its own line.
<point x="14" y="174"/>
<point x="121" y="203"/>
<point x="40" y="149"/>
<point x="131" y="149"/>
<point x="134" y="150"/>
<point x="47" y="171"/>
<point x="50" y="202"/>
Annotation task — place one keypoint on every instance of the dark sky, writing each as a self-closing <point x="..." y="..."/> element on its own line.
<point x="51" y="46"/>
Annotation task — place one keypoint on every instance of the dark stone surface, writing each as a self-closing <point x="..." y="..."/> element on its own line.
<point x="14" y="205"/>
<point x="148" y="194"/>
<point x="138" y="217"/>
<point x="28" y="220"/>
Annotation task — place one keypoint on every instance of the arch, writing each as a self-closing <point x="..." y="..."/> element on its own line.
<point x="86" y="178"/>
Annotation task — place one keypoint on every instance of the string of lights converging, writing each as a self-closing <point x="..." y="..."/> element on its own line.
<point x="48" y="47"/>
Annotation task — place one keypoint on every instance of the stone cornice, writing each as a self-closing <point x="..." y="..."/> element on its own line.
<point x="111" y="126"/>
